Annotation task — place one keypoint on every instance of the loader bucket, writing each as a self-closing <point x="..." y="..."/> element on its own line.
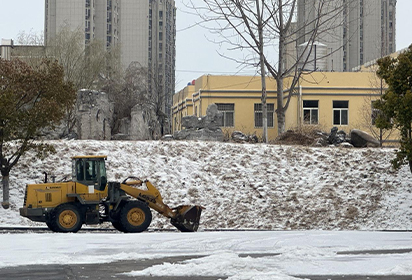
<point x="187" y="217"/>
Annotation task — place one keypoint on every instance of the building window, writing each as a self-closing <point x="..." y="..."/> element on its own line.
<point x="228" y="110"/>
<point x="340" y="112"/>
<point x="310" y="111"/>
<point x="259" y="114"/>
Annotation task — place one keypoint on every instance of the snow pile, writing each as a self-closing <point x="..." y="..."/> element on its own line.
<point x="255" y="186"/>
<point x="229" y="265"/>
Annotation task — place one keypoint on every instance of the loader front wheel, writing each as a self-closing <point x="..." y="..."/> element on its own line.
<point x="117" y="225"/>
<point x="65" y="218"/>
<point x="135" y="216"/>
<point x="51" y="226"/>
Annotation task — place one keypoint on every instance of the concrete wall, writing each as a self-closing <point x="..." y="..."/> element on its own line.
<point x="358" y="88"/>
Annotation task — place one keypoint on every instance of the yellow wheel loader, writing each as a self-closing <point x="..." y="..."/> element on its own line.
<point x="89" y="199"/>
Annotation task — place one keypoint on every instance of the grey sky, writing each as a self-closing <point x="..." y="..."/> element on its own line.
<point x="195" y="54"/>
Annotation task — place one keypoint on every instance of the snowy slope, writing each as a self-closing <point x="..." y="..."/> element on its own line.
<point x="255" y="186"/>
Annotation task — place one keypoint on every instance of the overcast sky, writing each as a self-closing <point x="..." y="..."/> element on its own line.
<point x="195" y="54"/>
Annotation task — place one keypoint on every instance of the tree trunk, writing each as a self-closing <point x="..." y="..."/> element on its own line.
<point x="264" y="116"/>
<point x="5" y="183"/>
<point x="280" y="111"/>
<point x="262" y="76"/>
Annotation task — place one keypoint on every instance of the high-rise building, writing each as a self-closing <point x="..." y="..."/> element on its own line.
<point x="145" y="32"/>
<point x="363" y="30"/>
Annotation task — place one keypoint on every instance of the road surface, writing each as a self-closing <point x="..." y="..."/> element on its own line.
<point x="115" y="270"/>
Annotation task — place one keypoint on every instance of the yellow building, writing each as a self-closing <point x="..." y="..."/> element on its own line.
<point x="322" y="99"/>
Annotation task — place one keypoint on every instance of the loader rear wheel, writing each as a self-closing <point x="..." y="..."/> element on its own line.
<point x="65" y="218"/>
<point x="135" y="216"/>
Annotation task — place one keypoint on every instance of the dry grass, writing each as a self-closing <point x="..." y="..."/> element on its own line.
<point x="305" y="135"/>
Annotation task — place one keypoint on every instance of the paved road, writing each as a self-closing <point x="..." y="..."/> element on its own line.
<point x="356" y="277"/>
<point x="111" y="271"/>
<point x="90" y="271"/>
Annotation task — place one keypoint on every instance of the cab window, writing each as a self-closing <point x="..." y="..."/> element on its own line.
<point x="91" y="170"/>
<point x="79" y="170"/>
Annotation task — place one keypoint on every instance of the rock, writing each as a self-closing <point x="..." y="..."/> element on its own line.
<point x="253" y="138"/>
<point x="143" y="123"/>
<point x="332" y="135"/>
<point x="199" y="134"/>
<point x="94" y="114"/>
<point x="167" y="137"/>
<point x="336" y="137"/>
<point x="362" y="139"/>
<point x="238" y="136"/>
<point x="205" y="128"/>
<point x="321" y="142"/>
<point x="211" y="121"/>
<point x="189" y="122"/>
<point x="123" y="127"/>
<point x="213" y="117"/>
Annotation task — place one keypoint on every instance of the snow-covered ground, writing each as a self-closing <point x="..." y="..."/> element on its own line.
<point x="254" y="186"/>
<point x="281" y="254"/>
<point x="316" y="194"/>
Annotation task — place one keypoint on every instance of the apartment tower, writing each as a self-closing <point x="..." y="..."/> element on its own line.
<point x="145" y="31"/>
<point x="364" y="30"/>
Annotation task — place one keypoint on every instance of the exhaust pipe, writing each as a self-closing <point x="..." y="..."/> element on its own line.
<point x="45" y="177"/>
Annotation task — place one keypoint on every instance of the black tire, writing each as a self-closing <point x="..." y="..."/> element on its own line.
<point x="65" y="218"/>
<point x="51" y="226"/>
<point x="117" y="225"/>
<point x="135" y="216"/>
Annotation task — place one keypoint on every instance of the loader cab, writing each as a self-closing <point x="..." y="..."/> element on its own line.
<point x="90" y="170"/>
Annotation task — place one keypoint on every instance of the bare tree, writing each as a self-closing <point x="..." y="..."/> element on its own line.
<point x="138" y="86"/>
<point x="83" y="61"/>
<point x="158" y="100"/>
<point x="30" y="38"/>
<point x="265" y="29"/>
<point x="86" y="64"/>
<point x="368" y="113"/>
<point x="29" y="47"/>
<point x="126" y="89"/>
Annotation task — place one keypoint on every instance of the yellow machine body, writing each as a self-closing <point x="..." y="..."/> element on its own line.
<point x="89" y="199"/>
<point x="52" y="194"/>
